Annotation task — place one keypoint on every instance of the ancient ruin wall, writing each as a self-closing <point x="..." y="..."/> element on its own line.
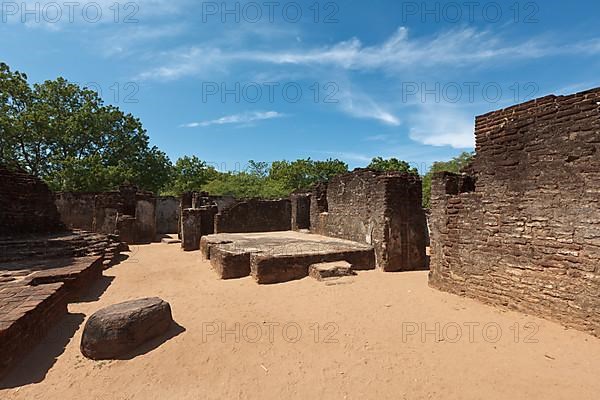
<point x="76" y="209"/>
<point x="128" y="212"/>
<point x="167" y="214"/>
<point x="523" y="229"/>
<point x="255" y="216"/>
<point x="26" y="205"/>
<point x="300" y="211"/>
<point x="381" y="209"/>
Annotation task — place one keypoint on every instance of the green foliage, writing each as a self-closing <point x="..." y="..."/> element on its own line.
<point x="67" y="136"/>
<point x="455" y="165"/>
<point x="246" y="185"/>
<point x="190" y="174"/>
<point x="392" y="164"/>
<point x="302" y="174"/>
<point x="278" y="179"/>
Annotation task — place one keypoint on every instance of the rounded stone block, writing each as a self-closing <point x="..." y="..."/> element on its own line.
<point x="116" y="330"/>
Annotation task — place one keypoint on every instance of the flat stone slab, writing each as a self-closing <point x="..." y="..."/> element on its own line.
<point x="273" y="257"/>
<point x="330" y="270"/>
<point x="116" y="330"/>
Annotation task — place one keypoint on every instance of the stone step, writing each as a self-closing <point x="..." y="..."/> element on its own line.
<point x="330" y="270"/>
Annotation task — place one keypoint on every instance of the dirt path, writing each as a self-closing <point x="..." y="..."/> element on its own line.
<point x="371" y="337"/>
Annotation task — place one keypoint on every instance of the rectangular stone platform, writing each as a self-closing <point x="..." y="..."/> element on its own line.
<point x="275" y="257"/>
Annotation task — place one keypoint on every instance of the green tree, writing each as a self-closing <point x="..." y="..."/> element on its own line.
<point x="67" y="136"/>
<point x="259" y="168"/>
<point x="455" y="165"/>
<point x="191" y="174"/>
<point x="392" y="164"/>
<point x="247" y="185"/>
<point x="301" y="174"/>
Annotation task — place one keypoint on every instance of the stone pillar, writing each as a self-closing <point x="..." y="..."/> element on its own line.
<point x="191" y="228"/>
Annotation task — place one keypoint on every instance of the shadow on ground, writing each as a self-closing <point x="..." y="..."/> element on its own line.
<point x="153" y="344"/>
<point x="35" y="365"/>
<point x="94" y="292"/>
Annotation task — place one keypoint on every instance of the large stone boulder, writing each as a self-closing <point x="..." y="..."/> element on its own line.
<point x="116" y="330"/>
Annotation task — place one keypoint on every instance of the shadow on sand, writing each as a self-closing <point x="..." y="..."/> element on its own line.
<point x="94" y="292"/>
<point x="35" y="365"/>
<point x="174" y="330"/>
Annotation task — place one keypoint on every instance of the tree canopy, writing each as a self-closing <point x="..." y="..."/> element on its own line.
<point x="64" y="134"/>
<point x="392" y="164"/>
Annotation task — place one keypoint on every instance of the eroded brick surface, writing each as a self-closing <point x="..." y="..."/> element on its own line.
<point x="522" y="228"/>
<point x="380" y="209"/>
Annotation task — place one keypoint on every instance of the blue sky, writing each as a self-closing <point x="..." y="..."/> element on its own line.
<point x="346" y="79"/>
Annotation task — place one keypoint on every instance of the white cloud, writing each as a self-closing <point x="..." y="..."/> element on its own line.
<point x="243" y="118"/>
<point x="458" y="47"/>
<point x="360" y="105"/>
<point x="441" y="125"/>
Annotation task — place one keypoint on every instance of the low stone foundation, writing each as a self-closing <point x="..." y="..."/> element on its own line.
<point x="279" y="256"/>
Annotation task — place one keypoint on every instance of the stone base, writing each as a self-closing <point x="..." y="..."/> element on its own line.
<point x="230" y="264"/>
<point x="280" y="256"/>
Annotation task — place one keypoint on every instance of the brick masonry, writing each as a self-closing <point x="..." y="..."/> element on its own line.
<point x="522" y="227"/>
<point x="42" y="265"/>
<point x="128" y="212"/>
<point x="167" y="214"/>
<point x="300" y="211"/>
<point x="380" y="209"/>
<point x="26" y="205"/>
<point x="255" y="216"/>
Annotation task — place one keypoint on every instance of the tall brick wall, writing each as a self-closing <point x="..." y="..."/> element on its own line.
<point x="522" y="229"/>
<point x="26" y="205"/>
<point x="381" y="209"/>
<point x="255" y="216"/>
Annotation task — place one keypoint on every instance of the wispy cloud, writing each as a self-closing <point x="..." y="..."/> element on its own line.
<point x="361" y="105"/>
<point x="442" y="125"/>
<point x="239" y="119"/>
<point x="458" y="47"/>
<point x="378" y="138"/>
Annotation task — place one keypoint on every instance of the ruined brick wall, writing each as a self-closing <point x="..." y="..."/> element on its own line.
<point x="26" y="205"/>
<point x="381" y="209"/>
<point x="255" y="216"/>
<point x="76" y="209"/>
<point x="167" y="214"/>
<point x="318" y="204"/>
<point x="523" y="228"/>
<point x="197" y="222"/>
<point x="128" y="212"/>
<point x="300" y="211"/>
<point x="145" y="217"/>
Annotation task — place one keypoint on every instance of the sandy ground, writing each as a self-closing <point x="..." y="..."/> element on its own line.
<point x="372" y="336"/>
